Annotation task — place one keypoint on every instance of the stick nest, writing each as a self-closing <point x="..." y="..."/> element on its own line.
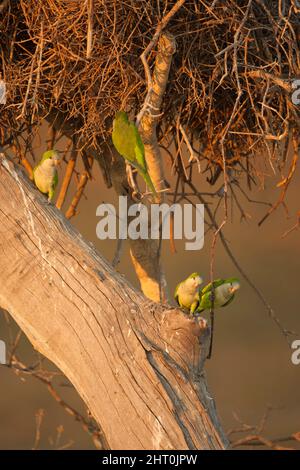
<point x="230" y="83"/>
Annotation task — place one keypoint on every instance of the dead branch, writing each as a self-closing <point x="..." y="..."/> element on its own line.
<point x="103" y="334"/>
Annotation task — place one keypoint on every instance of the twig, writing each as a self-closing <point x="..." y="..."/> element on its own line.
<point x="89" y="41"/>
<point x="193" y="155"/>
<point x="294" y="227"/>
<point x="39" y="415"/>
<point x="23" y="160"/>
<point x="67" y="178"/>
<point x="212" y="296"/>
<point x="79" y="192"/>
<point x="284" y="183"/>
<point x="257" y="440"/>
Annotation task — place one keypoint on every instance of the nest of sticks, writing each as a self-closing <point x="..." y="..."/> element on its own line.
<point x="229" y="92"/>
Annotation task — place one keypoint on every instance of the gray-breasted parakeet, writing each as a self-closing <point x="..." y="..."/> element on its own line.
<point x="187" y="293"/>
<point x="224" y="292"/>
<point x="127" y="141"/>
<point x="45" y="173"/>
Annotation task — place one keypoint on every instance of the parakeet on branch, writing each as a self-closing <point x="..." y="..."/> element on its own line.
<point x="224" y="292"/>
<point x="187" y="293"/>
<point x="127" y="141"/>
<point x="45" y="173"/>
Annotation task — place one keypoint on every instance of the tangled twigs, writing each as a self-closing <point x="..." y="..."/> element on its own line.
<point x="230" y="86"/>
<point x="3" y="5"/>
<point x="281" y="82"/>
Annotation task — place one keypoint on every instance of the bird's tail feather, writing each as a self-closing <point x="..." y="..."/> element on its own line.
<point x="149" y="182"/>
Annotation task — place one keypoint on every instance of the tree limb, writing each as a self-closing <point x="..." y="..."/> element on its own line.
<point x="137" y="365"/>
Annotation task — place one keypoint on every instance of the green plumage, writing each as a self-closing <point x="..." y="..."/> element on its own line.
<point x="187" y="293"/>
<point x="45" y="174"/>
<point x="127" y="141"/>
<point x="224" y="292"/>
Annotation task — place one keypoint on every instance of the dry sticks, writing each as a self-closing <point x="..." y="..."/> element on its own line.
<point x="230" y="85"/>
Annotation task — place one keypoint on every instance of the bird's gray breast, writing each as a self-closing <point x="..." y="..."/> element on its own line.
<point x="44" y="175"/>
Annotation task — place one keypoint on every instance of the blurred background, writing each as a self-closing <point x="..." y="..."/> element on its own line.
<point x="250" y="371"/>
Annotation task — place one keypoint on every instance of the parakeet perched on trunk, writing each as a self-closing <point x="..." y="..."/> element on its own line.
<point x="224" y="292"/>
<point x="187" y="292"/>
<point x="45" y="173"/>
<point x="127" y="141"/>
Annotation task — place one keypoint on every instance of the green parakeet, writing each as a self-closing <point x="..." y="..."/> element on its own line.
<point x="127" y="141"/>
<point x="224" y="291"/>
<point x="187" y="293"/>
<point x="45" y="173"/>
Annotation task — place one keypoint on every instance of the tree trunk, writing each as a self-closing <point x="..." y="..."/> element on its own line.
<point x="137" y="365"/>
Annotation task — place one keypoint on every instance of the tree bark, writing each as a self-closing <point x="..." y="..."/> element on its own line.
<point x="137" y="365"/>
<point x="145" y="254"/>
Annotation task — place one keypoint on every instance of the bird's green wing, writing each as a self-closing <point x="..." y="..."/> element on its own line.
<point x="53" y="186"/>
<point x="148" y="182"/>
<point x="55" y="181"/>
<point x="139" y="151"/>
<point x="208" y="288"/>
<point x="123" y="139"/>
<point x="204" y="301"/>
<point x="195" y="306"/>
<point x="139" y="148"/>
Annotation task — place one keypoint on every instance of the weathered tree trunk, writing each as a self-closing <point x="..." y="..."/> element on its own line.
<point x="137" y="365"/>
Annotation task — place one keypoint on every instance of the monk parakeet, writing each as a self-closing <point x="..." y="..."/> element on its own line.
<point x="224" y="291"/>
<point x="187" y="293"/>
<point x="45" y="173"/>
<point x="127" y="141"/>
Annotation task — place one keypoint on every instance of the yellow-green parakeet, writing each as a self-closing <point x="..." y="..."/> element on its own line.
<point x="127" y="141"/>
<point x="45" y="173"/>
<point x="187" y="293"/>
<point x="224" y="292"/>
